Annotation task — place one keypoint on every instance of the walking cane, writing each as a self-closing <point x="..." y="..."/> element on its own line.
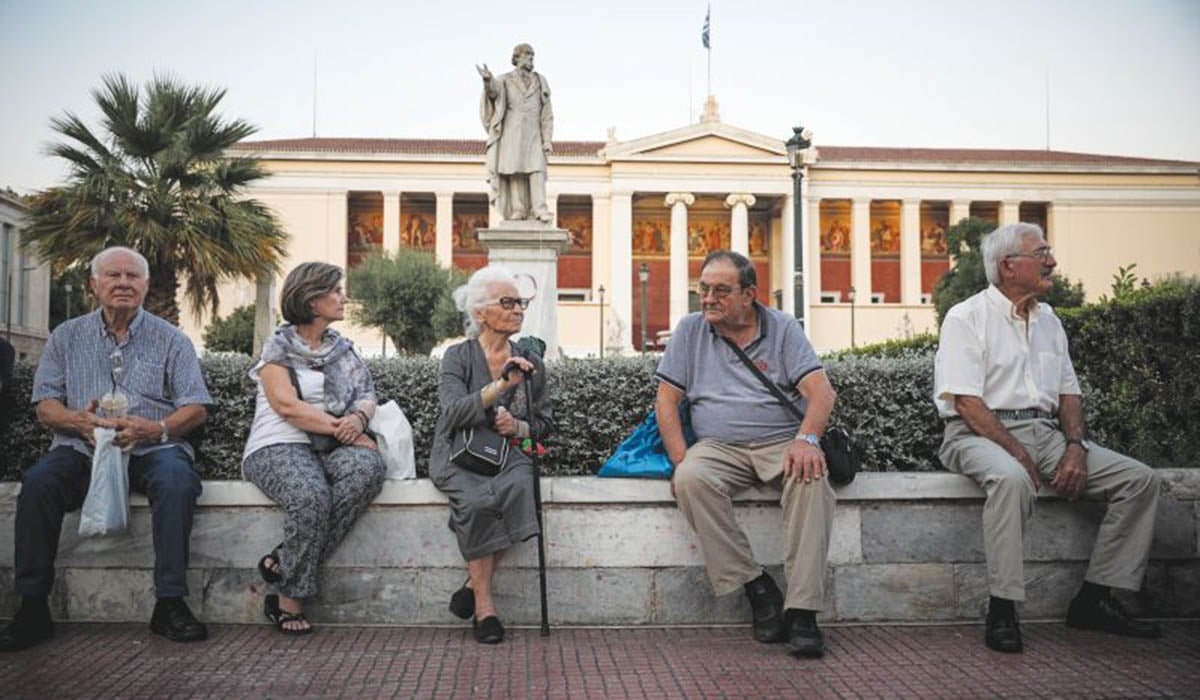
<point x="537" y="502"/>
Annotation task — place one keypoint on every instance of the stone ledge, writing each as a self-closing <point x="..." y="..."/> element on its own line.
<point x="1183" y="484"/>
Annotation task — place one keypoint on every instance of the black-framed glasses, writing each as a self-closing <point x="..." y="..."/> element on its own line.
<point x="719" y="291"/>
<point x="507" y="303"/>
<point x="1040" y="254"/>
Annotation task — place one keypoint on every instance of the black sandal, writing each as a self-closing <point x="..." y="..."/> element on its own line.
<point x="489" y="630"/>
<point x="267" y="573"/>
<point x="462" y="602"/>
<point x="280" y="617"/>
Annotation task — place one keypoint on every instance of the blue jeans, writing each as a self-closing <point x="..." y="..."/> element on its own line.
<point x="59" y="482"/>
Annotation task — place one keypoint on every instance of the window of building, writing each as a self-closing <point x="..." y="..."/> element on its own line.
<point x="1035" y="213"/>
<point x="470" y="214"/>
<point x="575" y="263"/>
<point x="835" y="249"/>
<point x="935" y="258"/>
<point x="988" y="211"/>
<point x="364" y="226"/>
<point x="885" y="251"/>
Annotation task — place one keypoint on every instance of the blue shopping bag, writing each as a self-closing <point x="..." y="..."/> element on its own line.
<point x="642" y="455"/>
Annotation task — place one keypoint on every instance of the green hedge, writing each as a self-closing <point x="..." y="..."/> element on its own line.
<point x="1136" y="357"/>
<point x="596" y="404"/>
<point x="1141" y="354"/>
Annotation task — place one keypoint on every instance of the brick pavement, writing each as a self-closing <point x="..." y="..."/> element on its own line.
<point x="93" y="660"/>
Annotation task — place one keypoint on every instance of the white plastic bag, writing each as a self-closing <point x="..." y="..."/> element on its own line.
<point x="394" y="436"/>
<point x="106" y="508"/>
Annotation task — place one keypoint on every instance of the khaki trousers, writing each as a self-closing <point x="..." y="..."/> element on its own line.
<point x="1130" y="487"/>
<point x="705" y="482"/>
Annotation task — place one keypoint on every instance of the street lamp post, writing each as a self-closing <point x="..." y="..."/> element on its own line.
<point x="852" y="305"/>
<point x="644" y="277"/>
<point x="799" y="142"/>
<point x="68" y="287"/>
<point x="601" y="291"/>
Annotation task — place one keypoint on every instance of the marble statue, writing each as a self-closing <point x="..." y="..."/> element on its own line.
<point x="516" y="113"/>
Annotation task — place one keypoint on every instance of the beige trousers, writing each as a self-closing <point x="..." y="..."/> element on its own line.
<point x="705" y="482"/>
<point x="1130" y="487"/>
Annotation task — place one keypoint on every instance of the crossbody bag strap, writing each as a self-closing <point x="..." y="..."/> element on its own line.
<point x="770" y="385"/>
<point x="295" y="381"/>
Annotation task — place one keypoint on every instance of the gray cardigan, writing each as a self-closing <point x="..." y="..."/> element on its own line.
<point x="464" y="373"/>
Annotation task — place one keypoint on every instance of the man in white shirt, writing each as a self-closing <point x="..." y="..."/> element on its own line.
<point x="1006" y="388"/>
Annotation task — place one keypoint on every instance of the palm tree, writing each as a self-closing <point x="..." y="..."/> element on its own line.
<point x="157" y="179"/>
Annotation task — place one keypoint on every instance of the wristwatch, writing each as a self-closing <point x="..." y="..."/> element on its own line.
<point x="163" y="437"/>
<point x="809" y="438"/>
<point x="1082" y="442"/>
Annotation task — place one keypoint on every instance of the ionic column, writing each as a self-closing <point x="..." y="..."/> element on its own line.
<point x="337" y="211"/>
<point x="959" y="210"/>
<point x="860" y="251"/>
<point x="910" y="251"/>
<point x="621" y="282"/>
<point x="740" y="221"/>
<point x="787" y="220"/>
<point x="391" y="222"/>
<point x="679" y="202"/>
<point x="811" y="214"/>
<point x="1010" y="212"/>
<point x="444" y="241"/>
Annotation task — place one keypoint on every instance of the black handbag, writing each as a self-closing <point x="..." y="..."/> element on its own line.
<point x="321" y="443"/>
<point x="841" y="455"/>
<point x="479" y="449"/>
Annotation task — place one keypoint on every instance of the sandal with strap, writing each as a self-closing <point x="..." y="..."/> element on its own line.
<point x="280" y="617"/>
<point x="268" y="573"/>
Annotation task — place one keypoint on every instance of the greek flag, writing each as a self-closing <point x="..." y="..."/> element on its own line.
<point x="704" y="33"/>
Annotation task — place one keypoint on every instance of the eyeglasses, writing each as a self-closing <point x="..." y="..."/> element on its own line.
<point x="719" y="292"/>
<point x="507" y="303"/>
<point x="1040" y="254"/>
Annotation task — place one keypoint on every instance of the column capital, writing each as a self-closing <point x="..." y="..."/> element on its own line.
<point x="740" y="198"/>
<point x="686" y="198"/>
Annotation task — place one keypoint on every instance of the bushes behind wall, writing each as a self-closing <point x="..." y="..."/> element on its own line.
<point x="1138" y="357"/>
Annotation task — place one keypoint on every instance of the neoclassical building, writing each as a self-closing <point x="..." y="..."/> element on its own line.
<point x="24" y="285"/>
<point x="873" y="220"/>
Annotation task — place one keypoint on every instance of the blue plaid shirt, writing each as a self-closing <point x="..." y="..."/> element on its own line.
<point x="160" y="371"/>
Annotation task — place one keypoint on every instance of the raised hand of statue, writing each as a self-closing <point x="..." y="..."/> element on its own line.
<point x="484" y="72"/>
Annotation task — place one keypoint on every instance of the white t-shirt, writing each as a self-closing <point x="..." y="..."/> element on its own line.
<point x="268" y="427"/>
<point x="987" y="350"/>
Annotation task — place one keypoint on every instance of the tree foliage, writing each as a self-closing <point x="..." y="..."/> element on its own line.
<point x="966" y="276"/>
<point x="234" y="333"/>
<point x="156" y="177"/>
<point x="407" y="297"/>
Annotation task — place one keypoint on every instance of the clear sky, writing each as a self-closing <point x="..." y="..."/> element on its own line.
<point x="1123" y="76"/>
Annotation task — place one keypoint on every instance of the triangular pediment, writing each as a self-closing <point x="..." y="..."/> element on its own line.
<point x="701" y="142"/>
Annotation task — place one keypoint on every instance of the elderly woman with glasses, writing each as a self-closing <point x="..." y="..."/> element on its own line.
<point x="483" y="384"/>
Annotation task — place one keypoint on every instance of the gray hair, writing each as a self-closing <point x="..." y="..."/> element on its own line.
<point x="307" y="282"/>
<point x="477" y="293"/>
<point x="1003" y="242"/>
<point x="103" y="256"/>
<point x="747" y="276"/>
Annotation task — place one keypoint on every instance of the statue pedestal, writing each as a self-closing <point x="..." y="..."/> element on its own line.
<point x="531" y="248"/>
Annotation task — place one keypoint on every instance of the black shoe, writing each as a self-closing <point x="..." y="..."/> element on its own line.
<point x="173" y="620"/>
<point x="804" y="637"/>
<point x="462" y="603"/>
<point x="1002" y="632"/>
<point x="766" y="603"/>
<point x="31" y="625"/>
<point x="489" y="630"/>
<point x="1106" y="614"/>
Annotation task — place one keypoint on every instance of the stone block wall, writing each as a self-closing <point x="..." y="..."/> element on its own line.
<point x="906" y="547"/>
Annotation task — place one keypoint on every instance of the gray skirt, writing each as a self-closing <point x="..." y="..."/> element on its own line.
<point x="489" y="514"/>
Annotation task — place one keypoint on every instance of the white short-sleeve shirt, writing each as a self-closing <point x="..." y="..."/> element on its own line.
<point x="987" y="350"/>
